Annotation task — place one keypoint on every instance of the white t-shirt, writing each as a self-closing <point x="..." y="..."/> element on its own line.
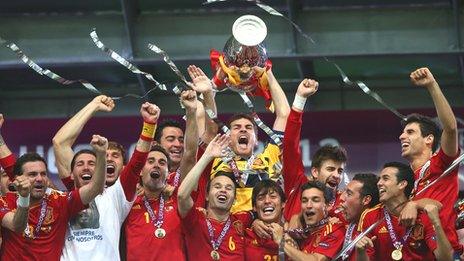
<point x="94" y="233"/>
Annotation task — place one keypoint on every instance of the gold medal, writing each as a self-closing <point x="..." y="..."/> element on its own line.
<point x="396" y="254"/>
<point x="215" y="255"/>
<point x="160" y="233"/>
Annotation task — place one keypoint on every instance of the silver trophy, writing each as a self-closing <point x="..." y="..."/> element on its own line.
<point x="243" y="51"/>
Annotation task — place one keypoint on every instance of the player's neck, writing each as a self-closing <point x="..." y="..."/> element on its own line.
<point x="418" y="161"/>
<point x="218" y="215"/>
<point x="152" y="194"/>
<point x="395" y="205"/>
<point x="174" y="167"/>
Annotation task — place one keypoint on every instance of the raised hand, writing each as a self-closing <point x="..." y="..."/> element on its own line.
<point x="365" y="242"/>
<point x="103" y="103"/>
<point x="277" y="232"/>
<point x="99" y="143"/>
<point x="188" y="98"/>
<point x="261" y="229"/>
<point x="307" y="88"/>
<point x="23" y="185"/>
<point x="2" y="120"/>
<point x="150" y="112"/>
<point x="217" y="148"/>
<point x="422" y="77"/>
<point x="201" y="82"/>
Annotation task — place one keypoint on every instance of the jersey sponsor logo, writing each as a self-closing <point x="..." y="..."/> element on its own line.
<point x="254" y="242"/>
<point x="136" y="206"/>
<point x="383" y="230"/>
<point x="324" y="245"/>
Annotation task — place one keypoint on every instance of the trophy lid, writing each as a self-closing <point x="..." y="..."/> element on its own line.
<point x="249" y="30"/>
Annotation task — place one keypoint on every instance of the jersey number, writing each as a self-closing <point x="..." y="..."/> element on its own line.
<point x="270" y="258"/>
<point x="231" y="244"/>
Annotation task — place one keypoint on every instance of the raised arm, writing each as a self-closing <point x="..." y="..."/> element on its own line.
<point x="96" y="185"/>
<point x="7" y="158"/>
<point x="293" y="168"/>
<point x="203" y="85"/>
<point x="281" y="107"/>
<point x="17" y="220"/>
<point x="189" y="100"/>
<point x="66" y="136"/>
<point x="449" y="138"/>
<point x="444" y="251"/>
<point x="130" y="174"/>
<point x="216" y="148"/>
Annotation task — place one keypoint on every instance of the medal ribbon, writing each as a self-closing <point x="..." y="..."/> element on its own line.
<point x="299" y="233"/>
<point x="36" y="231"/>
<point x="348" y="237"/>
<point x="398" y="244"/>
<point x="216" y="243"/>
<point x="159" y="221"/>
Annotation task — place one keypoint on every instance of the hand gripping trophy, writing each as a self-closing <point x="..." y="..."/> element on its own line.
<point x="242" y="65"/>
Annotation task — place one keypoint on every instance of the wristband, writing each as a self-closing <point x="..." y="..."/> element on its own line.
<point x="299" y="102"/>
<point x="23" y="201"/>
<point x="148" y="131"/>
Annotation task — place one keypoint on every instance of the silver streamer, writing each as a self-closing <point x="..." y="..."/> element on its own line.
<point x="258" y="121"/>
<point x="123" y="62"/>
<point x="46" y="72"/>
<point x="168" y="60"/>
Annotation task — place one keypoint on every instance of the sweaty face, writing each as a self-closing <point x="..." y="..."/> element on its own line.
<point x="172" y="140"/>
<point x="242" y="137"/>
<point x="269" y="206"/>
<point x="351" y="201"/>
<point x="36" y="171"/>
<point x="313" y="206"/>
<point x="114" y="165"/>
<point x="412" y="142"/>
<point x="388" y="184"/>
<point x="84" y="168"/>
<point x="221" y="194"/>
<point x="155" y="171"/>
<point x="329" y="173"/>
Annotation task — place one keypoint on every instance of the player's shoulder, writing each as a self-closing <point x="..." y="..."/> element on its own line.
<point x="369" y="214"/>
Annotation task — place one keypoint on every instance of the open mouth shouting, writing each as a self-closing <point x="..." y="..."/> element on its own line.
<point x="243" y="141"/>
<point x="155" y="174"/>
<point x="222" y="198"/>
<point x="175" y="153"/>
<point x="267" y="211"/>
<point x="404" y="146"/>
<point x="110" y="168"/>
<point x="86" y="176"/>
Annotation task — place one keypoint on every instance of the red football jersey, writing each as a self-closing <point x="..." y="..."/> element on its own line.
<point x="419" y="245"/>
<point x="445" y="191"/>
<point x="198" y="241"/>
<point x="140" y="232"/>
<point x="293" y="169"/>
<point x="257" y="248"/>
<point x="50" y="240"/>
<point x="326" y="240"/>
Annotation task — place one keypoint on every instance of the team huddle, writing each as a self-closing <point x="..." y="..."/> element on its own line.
<point x="193" y="194"/>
